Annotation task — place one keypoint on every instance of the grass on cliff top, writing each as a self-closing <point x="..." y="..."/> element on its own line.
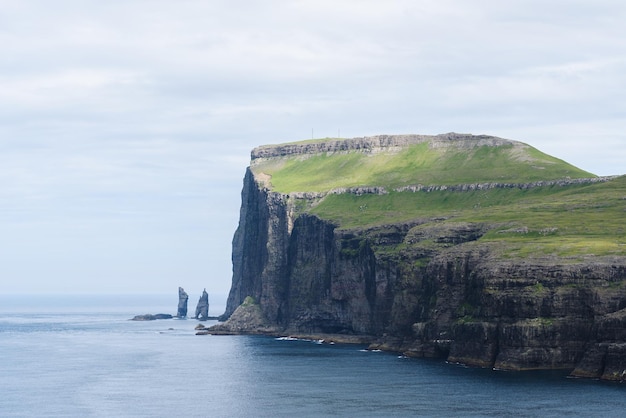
<point x="574" y="220"/>
<point x="416" y="164"/>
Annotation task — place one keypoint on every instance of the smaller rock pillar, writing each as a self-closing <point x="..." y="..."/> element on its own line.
<point x="182" y="303"/>
<point x="202" y="309"/>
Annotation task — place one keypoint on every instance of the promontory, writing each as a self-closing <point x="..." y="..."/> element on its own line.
<point x="477" y="249"/>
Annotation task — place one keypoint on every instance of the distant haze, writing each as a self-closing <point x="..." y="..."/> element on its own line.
<point x="126" y="127"/>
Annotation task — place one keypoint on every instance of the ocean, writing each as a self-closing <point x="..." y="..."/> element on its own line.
<point x="83" y="357"/>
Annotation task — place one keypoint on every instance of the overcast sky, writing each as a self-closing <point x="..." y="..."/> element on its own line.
<point x="126" y="126"/>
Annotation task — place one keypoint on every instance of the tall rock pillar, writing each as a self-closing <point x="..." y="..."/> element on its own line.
<point x="182" y="303"/>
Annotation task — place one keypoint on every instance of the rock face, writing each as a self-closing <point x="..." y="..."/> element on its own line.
<point x="181" y="312"/>
<point x="375" y="143"/>
<point x="248" y="318"/>
<point x="202" y="308"/>
<point x="451" y="297"/>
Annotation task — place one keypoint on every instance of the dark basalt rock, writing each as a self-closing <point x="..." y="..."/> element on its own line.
<point x="202" y="309"/>
<point x="182" y="303"/>
<point x="424" y="288"/>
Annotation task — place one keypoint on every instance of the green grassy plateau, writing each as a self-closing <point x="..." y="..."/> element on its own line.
<point x="563" y="221"/>
<point x="415" y="164"/>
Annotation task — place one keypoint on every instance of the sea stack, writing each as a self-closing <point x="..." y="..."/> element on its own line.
<point x="182" y="303"/>
<point x="202" y="309"/>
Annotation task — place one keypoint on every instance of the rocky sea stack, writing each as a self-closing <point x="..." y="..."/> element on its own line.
<point x="202" y="308"/>
<point x="183" y="298"/>
<point x="481" y="250"/>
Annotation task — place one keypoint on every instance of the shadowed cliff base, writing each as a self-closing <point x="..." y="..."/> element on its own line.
<point x="248" y="319"/>
<point x="514" y="278"/>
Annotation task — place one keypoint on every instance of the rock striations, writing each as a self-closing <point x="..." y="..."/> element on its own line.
<point x="424" y="287"/>
<point x="376" y="143"/>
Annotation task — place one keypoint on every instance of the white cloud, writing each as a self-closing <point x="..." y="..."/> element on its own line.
<point x="566" y="82"/>
<point x="72" y="87"/>
<point x="134" y="120"/>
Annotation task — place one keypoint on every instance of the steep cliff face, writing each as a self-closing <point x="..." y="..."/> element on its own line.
<point x="260" y="250"/>
<point x="428" y="287"/>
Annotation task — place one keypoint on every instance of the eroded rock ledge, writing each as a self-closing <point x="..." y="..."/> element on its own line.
<point x="359" y="191"/>
<point x="374" y="143"/>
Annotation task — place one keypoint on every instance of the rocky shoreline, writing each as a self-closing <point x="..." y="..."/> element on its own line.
<point x="321" y="337"/>
<point x="610" y="356"/>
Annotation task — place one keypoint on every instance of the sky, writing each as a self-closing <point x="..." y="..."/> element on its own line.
<point x="126" y="126"/>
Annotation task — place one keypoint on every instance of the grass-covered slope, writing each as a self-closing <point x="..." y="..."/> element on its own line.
<point x="576" y="220"/>
<point x="562" y="221"/>
<point x="458" y="162"/>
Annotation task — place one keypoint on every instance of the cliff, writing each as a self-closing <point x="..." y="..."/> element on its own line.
<point x="526" y="275"/>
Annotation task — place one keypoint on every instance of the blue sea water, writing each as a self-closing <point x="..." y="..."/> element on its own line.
<point x="75" y="357"/>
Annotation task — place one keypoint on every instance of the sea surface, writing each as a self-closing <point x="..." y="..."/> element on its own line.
<point x="83" y="357"/>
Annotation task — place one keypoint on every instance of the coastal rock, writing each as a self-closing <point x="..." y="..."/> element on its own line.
<point x="181" y="312"/>
<point x="423" y="287"/>
<point x="202" y="309"/>
<point x="151" y="317"/>
<point x="246" y="319"/>
<point x="605" y="358"/>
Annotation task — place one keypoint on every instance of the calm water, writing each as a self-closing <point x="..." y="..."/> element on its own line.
<point x="75" y="359"/>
